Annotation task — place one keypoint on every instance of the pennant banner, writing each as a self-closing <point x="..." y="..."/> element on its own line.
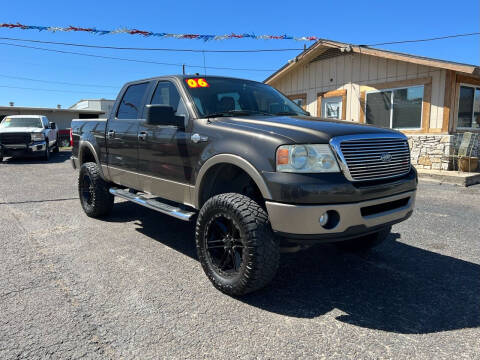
<point x="160" y="35"/>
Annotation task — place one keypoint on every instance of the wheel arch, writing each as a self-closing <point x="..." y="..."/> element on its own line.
<point x="227" y="159"/>
<point x="87" y="153"/>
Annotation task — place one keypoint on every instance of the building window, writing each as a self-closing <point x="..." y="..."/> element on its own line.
<point x="332" y="104"/>
<point x="300" y="100"/>
<point x="395" y="108"/>
<point x="469" y="107"/>
<point x="332" y="107"/>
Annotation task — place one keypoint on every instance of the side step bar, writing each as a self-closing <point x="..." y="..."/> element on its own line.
<point x="153" y="204"/>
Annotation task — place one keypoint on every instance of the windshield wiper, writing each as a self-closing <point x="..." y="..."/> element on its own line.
<point x="236" y="112"/>
<point x="287" y="113"/>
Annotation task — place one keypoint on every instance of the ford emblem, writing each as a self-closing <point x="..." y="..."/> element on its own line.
<point x="386" y="157"/>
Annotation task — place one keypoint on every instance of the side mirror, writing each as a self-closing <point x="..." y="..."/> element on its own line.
<point x="308" y="113"/>
<point x="53" y="125"/>
<point x="163" y="115"/>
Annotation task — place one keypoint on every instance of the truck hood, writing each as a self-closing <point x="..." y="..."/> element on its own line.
<point x="21" y="130"/>
<point x="302" y="129"/>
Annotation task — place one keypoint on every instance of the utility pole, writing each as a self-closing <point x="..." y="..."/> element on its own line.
<point x="183" y="69"/>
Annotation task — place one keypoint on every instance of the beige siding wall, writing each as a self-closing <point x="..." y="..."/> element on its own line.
<point x="352" y="71"/>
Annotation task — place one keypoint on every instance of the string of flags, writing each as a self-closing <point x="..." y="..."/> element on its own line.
<point x="204" y="37"/>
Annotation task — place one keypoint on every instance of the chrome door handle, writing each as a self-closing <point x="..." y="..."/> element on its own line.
<point x="110" y="134"/>
<point x="142" y="136"/>
<point x="196" y="138"/>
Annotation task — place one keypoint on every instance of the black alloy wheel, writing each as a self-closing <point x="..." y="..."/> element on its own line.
<point x="87" y="190"/>
<point x="225" y="247"/>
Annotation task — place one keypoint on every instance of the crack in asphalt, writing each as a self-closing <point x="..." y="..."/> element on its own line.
<point x="36" y="201"/>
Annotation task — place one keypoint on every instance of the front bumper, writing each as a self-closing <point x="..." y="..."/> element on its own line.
<point x="332" y="188"/>
<point x="35" y="148"/>
<point x="349" y="220"/>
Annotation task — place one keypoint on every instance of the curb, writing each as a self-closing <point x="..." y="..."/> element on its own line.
<point x="449" y="177"/>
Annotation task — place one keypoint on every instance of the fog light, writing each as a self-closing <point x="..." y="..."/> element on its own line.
<point x="323" y="219"/>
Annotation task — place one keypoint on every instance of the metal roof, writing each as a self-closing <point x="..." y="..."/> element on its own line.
<point x="101" y="99"/>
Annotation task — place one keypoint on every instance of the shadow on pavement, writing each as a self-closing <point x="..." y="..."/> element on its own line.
<point x="55" y="158"/>
<point x="396" y="288"/>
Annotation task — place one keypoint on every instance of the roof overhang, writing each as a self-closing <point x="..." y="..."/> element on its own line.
<point x="323" y="45"/>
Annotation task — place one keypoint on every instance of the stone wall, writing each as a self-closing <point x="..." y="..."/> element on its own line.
<point x="431" y="151"/>
<point x="435" y="151"/>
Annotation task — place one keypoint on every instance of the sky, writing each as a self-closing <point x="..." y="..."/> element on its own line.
<point x="356" y="22"/>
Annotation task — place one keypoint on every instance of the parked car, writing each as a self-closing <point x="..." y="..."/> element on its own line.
<point x="27" y="135"/>
<point x="252" y="168"/>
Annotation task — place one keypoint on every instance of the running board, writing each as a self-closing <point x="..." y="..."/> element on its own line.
<point x="153" y="204"/>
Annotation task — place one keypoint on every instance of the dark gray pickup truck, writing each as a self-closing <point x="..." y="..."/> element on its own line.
<point x="255" y="171"/>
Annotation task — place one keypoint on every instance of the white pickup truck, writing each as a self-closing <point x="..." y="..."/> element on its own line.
<point x="27" y="135"/>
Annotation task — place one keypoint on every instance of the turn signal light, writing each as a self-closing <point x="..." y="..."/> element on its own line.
<point x="282" y="156"/>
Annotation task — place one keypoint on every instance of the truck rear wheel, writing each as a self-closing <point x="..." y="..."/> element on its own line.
<point x="366" y="242"/>
<point x="93" y="191"/>
<point x="235" y="244"/>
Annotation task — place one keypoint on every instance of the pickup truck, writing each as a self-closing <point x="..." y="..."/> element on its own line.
<point x="27" y="135"/>
<point x="256" y="172"/>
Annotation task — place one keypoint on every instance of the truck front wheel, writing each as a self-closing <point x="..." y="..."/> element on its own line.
<point x="235" y="244"/>
<point x="46" y="154"/>
<point x="93" y="191"/>
<point x="366" y="242"/>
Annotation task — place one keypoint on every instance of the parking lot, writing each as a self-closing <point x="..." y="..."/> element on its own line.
<point x="130" y="285"/>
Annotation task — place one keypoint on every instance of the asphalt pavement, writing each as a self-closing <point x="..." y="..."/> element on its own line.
<point x="130" y="286"/>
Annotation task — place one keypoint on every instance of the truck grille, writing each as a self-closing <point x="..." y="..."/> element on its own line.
<point x="374" y="158"/>
<point x="14" y="138"/>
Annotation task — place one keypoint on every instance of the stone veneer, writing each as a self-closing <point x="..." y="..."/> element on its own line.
<point x="431" y="151"/>
<point x="435" y="151"/>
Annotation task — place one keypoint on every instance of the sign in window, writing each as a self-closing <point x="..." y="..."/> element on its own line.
<point x="332" y="107"/>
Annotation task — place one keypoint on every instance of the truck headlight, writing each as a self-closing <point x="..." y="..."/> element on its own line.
<point x="38" y="137"/>
<point x="310" y="158"/>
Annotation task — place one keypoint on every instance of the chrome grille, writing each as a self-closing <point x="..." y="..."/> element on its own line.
<point x="374" y="158"/>
<point x="15" y="138"/>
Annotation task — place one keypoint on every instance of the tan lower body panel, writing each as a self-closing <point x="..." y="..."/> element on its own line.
<point x="304" y="219"/>
<point x="167" y="189"/>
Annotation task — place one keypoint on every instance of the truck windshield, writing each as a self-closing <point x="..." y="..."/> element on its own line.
<point x="221" y="96"/>
<point x="10" y="122"/>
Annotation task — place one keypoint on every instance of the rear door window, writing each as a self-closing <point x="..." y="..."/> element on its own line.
<point x="132" y="100"/>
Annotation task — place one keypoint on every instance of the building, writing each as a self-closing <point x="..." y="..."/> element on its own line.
<point x="103" y="105"/>
<point x="429" y="100"/>
<point x="63" y="117"/>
